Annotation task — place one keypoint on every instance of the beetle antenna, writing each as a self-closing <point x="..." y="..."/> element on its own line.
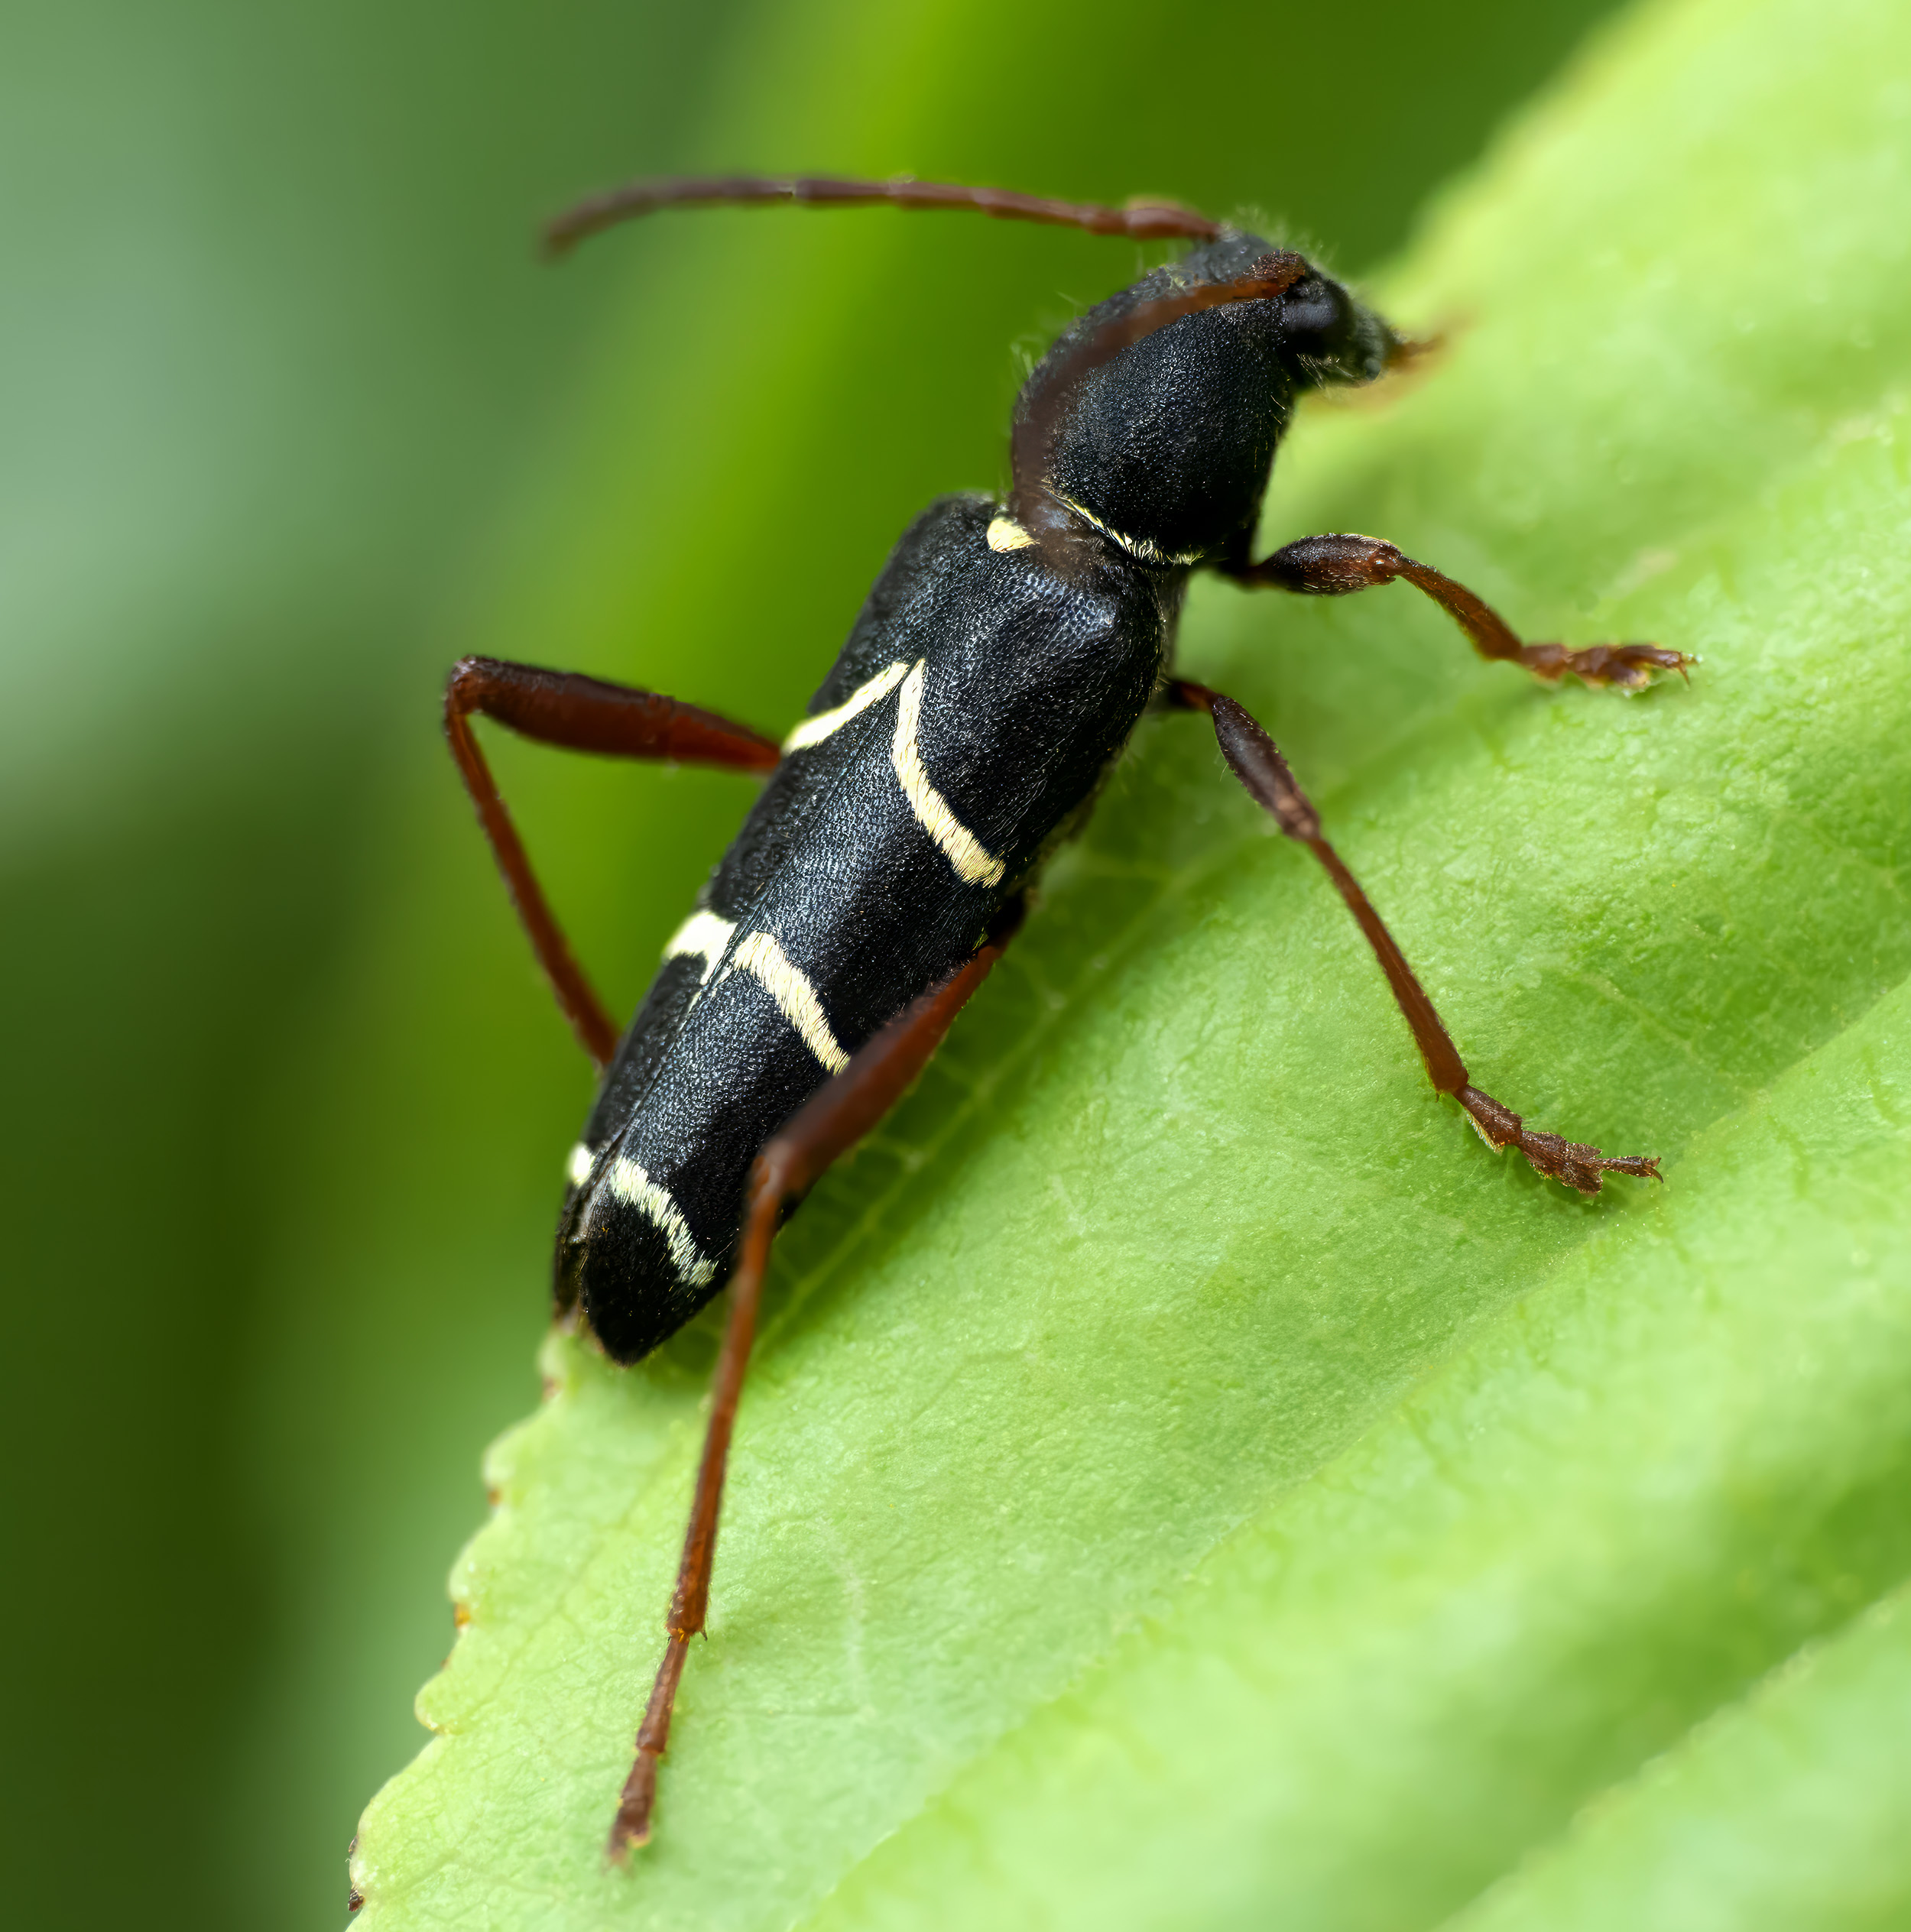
<point x="1144" y="218"/>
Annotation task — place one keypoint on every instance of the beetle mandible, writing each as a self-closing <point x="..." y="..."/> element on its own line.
<point x="1004" y="657"/>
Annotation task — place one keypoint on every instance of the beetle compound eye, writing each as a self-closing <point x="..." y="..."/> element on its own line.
<point x="1328" y="337"/>
<point x="1314" y="308"/>
<point x="1317" y="318"/>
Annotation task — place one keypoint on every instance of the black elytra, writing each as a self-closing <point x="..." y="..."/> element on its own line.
<point x="998" y="669"/>
<point x="1016" y="670"/>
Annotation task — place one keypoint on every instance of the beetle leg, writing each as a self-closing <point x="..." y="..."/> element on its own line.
<point x="1263" y="771"/>
<point x="826" y="1127"/>
<point x="578" y="713"/>
<point x="1337" y="567"/>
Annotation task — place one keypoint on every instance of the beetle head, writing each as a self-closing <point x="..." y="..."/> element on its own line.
<point x="1155" y="417"/>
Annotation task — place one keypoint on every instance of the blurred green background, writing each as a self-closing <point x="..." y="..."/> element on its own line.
<point x="292" y="417"/>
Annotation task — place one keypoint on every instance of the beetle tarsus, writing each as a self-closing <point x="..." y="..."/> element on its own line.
<point x="1620" y="667"/>
<point x="630" y="1828"/>
<point x="1570" y="1161"/>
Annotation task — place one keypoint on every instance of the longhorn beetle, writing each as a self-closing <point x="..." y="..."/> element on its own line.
<point x="1001" y="661"/>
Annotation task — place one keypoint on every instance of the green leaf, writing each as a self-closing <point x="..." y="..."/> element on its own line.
<point x="1186" y="1478"/>
<point x="1786" y="1810"/>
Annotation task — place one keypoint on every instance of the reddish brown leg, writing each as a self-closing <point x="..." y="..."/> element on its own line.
<point x="823" y="1129"/>
<point x="1142" y="219"/>
<point x="1261" y="768"/>
<point x="579" y="714"/>
<point x="1337" y="567"/>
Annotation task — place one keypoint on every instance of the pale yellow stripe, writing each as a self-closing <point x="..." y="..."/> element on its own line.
<point x="963" y="849"/>
<point x="1005" y="534"/>
<point x="813" y="731"/>
<point x="1137" y="546"/>
<point x="703" y="935"/>
<point x="796" y="998"/>
<point x="633" y="1186"/>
